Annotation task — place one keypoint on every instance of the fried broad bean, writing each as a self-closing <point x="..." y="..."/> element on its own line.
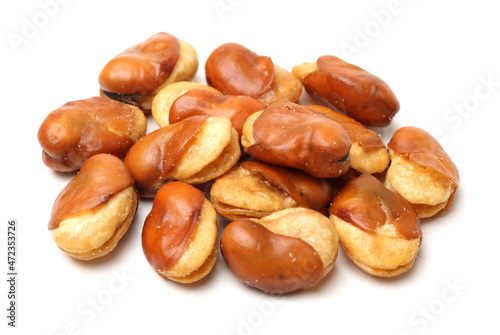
<point x="179" y="237"/>
<point x="255" y="189"/>
<point x="236" y="108"/>
<point x="368" y="152"/>
<point x="421" y="171"/>
<point x="195" y="150"/>
<point x="290" y="135"/>
<point x="288" y="250"/>
<point x="138" y="73"/>
<point x="235" y="70"/>
<point x="349" y="89"/>
<point x="95" y="209"/>
<point x="83" y="128"/>
<point x="378" y="229"/>
<point x="184" y="99"/>
<point x="164" y="99"/>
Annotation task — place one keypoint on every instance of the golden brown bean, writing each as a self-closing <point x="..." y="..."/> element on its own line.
<point x="421" y="171"/>
<point x="83" y="128"/>
<point x="288" y="250"/>
<point x="164" y="99"/>
<point x="179" y="237"/>
<point x="235" y="70"/>
<point x="255" y="189"/>
<point x="236" y="108"/>
<point x="138" y="73"/>
<point x="291" y="135"/>
<point x="378" y="229"/>
<point x="95" y="209"/>
<point x="194" y="150"/>
<point x="368" y="152"/>
<point x="349" y="89"/>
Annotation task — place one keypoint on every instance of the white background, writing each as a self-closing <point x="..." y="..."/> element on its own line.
<point x="438" y="57"/>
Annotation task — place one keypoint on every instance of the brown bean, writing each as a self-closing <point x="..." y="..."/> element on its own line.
<point x="136" y="74"/>
<point x="235" y="70"/>
<point x="255" y="189"/>
<point x="83" y="128"/>
<point x="421" y="171"/>
<point x="95" y="209"/>
<point x="288" y="250"/>
<point x="349" y="89"/>
<point x="203" y="102"/>
<point x="379" y="230"/>
<point x="368" y="152"/>
<point x="291" y="135"/>
<point x="179" y="237"/>
<point x="194" y="150"/>
<point x="140" y="69"/>
<point x="163" y="100"/>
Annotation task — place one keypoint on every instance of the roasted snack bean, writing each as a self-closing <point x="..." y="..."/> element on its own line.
<point x="195" y="150"/>
<point x="236" y="108"/>
<point x="164" y="99"/>
<point x="235" y="70"/>
<point x="83" y="128"/>
<point x="349" y="89"/>
<point x="368" y="152"/>
<point x="138" y="73"/>
<point x="95" y="209"/>
<point x="421" y="171"/>
<point x="179" y="237"/>
<point x="184" y="99"/>
<point x="311" y="177"/>
<point x="291" y="135"/>
<point x="288" y="250"/>
<point x="378" y="229"/>
<point x="255" y="189"/>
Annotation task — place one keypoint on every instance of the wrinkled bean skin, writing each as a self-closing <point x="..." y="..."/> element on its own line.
<point x="139" y="70"/>
<point x="425" y="150"/>
<point x="235" y="70"/>
<point x="152" y="158"/>
<point x="352" y="90"/>
<point x="366" y="203"/>
<point x="291" y="135"/>
<point x="203" y="102"/>
<point x="83" y="128"/>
